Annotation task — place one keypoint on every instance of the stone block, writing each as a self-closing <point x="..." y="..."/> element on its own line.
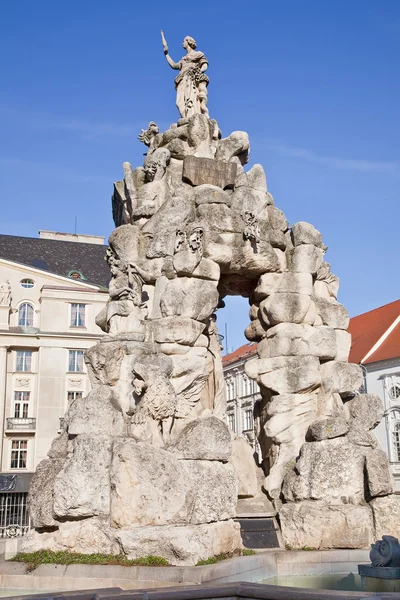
<point x="189" y="297"/>
<point x="295" y="283"/>
<point x="277" y="219"/>
<point x="320" y="525"/>
<point x="366" y="410"/>
<point x="386" y="513"/>
<point x="305" y="258"/>
<point x="340" y="377"/>
<point x="290" y="339"/>
<point x="330" y="470"/>
<point x="343" y="345"/>
<point x="332" y="313"/>
<point x="288" y="416"/>
<point x="242" y="460"/>
<point x="151" y="486"/>
<point x="82" y="487"/>
<point x="284" y="307"/>
<point x="204" y="439"/>
<point x="181" y="330"/>
<point x="181" y="545"/>
<point x="361" y="437"/>
<point x="286" y="374"/>
<point x="200" y="171"/>
<point x="211" y="194"/>
<point x="41" y="492"/>
<point x="305" y="233"/>
<point x="95" y="414"/>
<point x="379" y="477"/>
<point x="236" y="144"/>
<point x="328" y="428"/>
<point x="207" y="269"/>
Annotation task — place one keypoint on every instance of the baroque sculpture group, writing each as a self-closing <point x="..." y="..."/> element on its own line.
<point x="144" y="463"/>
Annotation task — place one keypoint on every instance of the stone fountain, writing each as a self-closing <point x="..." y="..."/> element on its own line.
<point x="144" y="464"/>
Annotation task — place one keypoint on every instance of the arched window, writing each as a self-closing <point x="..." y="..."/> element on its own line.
<point x="25" y="315"/>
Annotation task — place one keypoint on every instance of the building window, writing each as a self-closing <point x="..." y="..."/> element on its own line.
<point x="246" y="386"/>
<point x="25" y="315"/>
<point x="27" y="283"/>
<point x="24" y="361"/>
<point x="394" y="392"/>
<point x="231" y="421"/>
<point x="75" y="361"/>
<point x="396" y="441"/>
<point x="77" y="315"/>
<point x="21" y="404"/>
<point x="74" y="396"/>
<point x="249" y="418"/>
<point x="19" y="449"/>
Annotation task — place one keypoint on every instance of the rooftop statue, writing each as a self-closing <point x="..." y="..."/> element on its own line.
<point x="191" y="83"/>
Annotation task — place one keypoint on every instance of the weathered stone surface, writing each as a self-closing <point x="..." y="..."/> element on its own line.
<point x="285" y="374"/>
<point x="82" y="487"/>
<point x="200" y="171"/>
<point x="386" y="513"/>
<point x="255" y="331"/>
<point x="81" y="536"/>
<point x="305" y="258"/>
<point x="332" y="314"/>
<point x="324" y="429"/>
<point x="289" y="339"/>
<point x="41" y="492"/>
<point x="295" y="283"/>
<point x="245" y="261"/>
<point x="151" y="486"/>
<point x="59" y="446"/>
<point x="331" y="470"/>
<point x="277" y="219"/>
<point x="285" y="421"/>
<point x="360" y="437"/>
<point x="379" y="477"/>
<point x="207" y="269"/>
<point x="189" y="297"/>
<point x="181" y="545"/>
<point x="321" y="525"/>
<point x="284" y="308"/>
<point x="340" y="377"/>
<point x="181" y="330"/>
<point x="211" y="194"/>
<point x="216" y="490"/>
<point x="242" y="460"/>
<point x="95" y="414"/>
<point x="305" y="233"/>
<point x="343" y="344"/>
<point x="366" y="410"/>
<point x="236" y="144"/>
<point x="148" y="486"/>
<point x="103" y="362"/>
<point x="204" y="439"/>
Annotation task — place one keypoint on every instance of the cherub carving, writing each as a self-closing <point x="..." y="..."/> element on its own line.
<point x="147" y="135"/>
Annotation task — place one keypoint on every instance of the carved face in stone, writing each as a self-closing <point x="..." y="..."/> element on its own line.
<point x="196" y="240"/>
<point x="180" y="240"/>
<point x="189" y="43"/>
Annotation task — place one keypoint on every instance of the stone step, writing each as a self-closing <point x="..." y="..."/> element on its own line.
<point x="259" y="532"/>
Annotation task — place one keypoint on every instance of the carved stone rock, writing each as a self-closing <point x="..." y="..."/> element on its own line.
<point x="321" y="525"/>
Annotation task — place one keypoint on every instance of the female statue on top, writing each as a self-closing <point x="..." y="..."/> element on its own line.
<point x="191" y="83"/>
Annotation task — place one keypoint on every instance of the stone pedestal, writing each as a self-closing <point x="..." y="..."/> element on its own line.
<point x="379" y="579"/>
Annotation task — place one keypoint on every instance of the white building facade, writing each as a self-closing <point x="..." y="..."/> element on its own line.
<point x="47" y="321"/>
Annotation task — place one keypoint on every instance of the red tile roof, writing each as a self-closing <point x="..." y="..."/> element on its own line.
<point x="365" y="329"/>
<point x="241" y="353"/>
<point x="368" y="328"/>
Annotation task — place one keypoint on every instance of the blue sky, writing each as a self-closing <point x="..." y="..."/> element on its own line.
<point x="315" y="84"/>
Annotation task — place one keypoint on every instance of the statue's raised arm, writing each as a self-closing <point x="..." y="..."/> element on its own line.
<point x="191" y="83"/>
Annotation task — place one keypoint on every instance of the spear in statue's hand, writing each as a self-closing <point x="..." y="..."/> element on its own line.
<point x="164" y="42"/>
